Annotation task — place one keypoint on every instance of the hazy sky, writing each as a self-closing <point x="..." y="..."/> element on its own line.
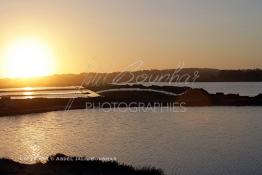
<point x="107" y="35"/>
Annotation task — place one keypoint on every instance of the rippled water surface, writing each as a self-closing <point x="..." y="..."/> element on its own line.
<point x="206" y="140"/>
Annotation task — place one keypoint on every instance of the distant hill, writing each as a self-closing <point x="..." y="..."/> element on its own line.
<point x="167" y="75"/>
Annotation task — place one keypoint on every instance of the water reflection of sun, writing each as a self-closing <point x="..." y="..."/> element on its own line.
<point x="36" y="137"/>
<point x="27" y="93"/>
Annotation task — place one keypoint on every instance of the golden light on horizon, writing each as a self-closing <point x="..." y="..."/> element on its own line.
<point x="28" y="57"/>
<point x="27" y="88"/>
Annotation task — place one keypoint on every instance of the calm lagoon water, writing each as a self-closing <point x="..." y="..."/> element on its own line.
<point x="241" y="88"/>
<point x="202" y="140"/>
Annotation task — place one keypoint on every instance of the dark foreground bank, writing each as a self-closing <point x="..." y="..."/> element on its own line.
<point x="60" y="164"/>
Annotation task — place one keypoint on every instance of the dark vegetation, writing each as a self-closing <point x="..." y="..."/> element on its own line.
<point x="60" y="164"/>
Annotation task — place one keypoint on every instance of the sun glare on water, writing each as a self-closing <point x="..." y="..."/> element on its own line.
<point x="28" y="58"/>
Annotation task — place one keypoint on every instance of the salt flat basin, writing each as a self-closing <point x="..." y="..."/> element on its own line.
<point x="46" y="92"/>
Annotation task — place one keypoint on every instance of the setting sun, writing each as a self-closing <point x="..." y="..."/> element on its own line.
<point x="28" y="58"/>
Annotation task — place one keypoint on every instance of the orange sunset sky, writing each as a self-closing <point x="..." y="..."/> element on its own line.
<point x="72" y="36"/>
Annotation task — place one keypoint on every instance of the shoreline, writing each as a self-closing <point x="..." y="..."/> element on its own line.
<point x="128" y="96"/>
<point x="65" y="165"/>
